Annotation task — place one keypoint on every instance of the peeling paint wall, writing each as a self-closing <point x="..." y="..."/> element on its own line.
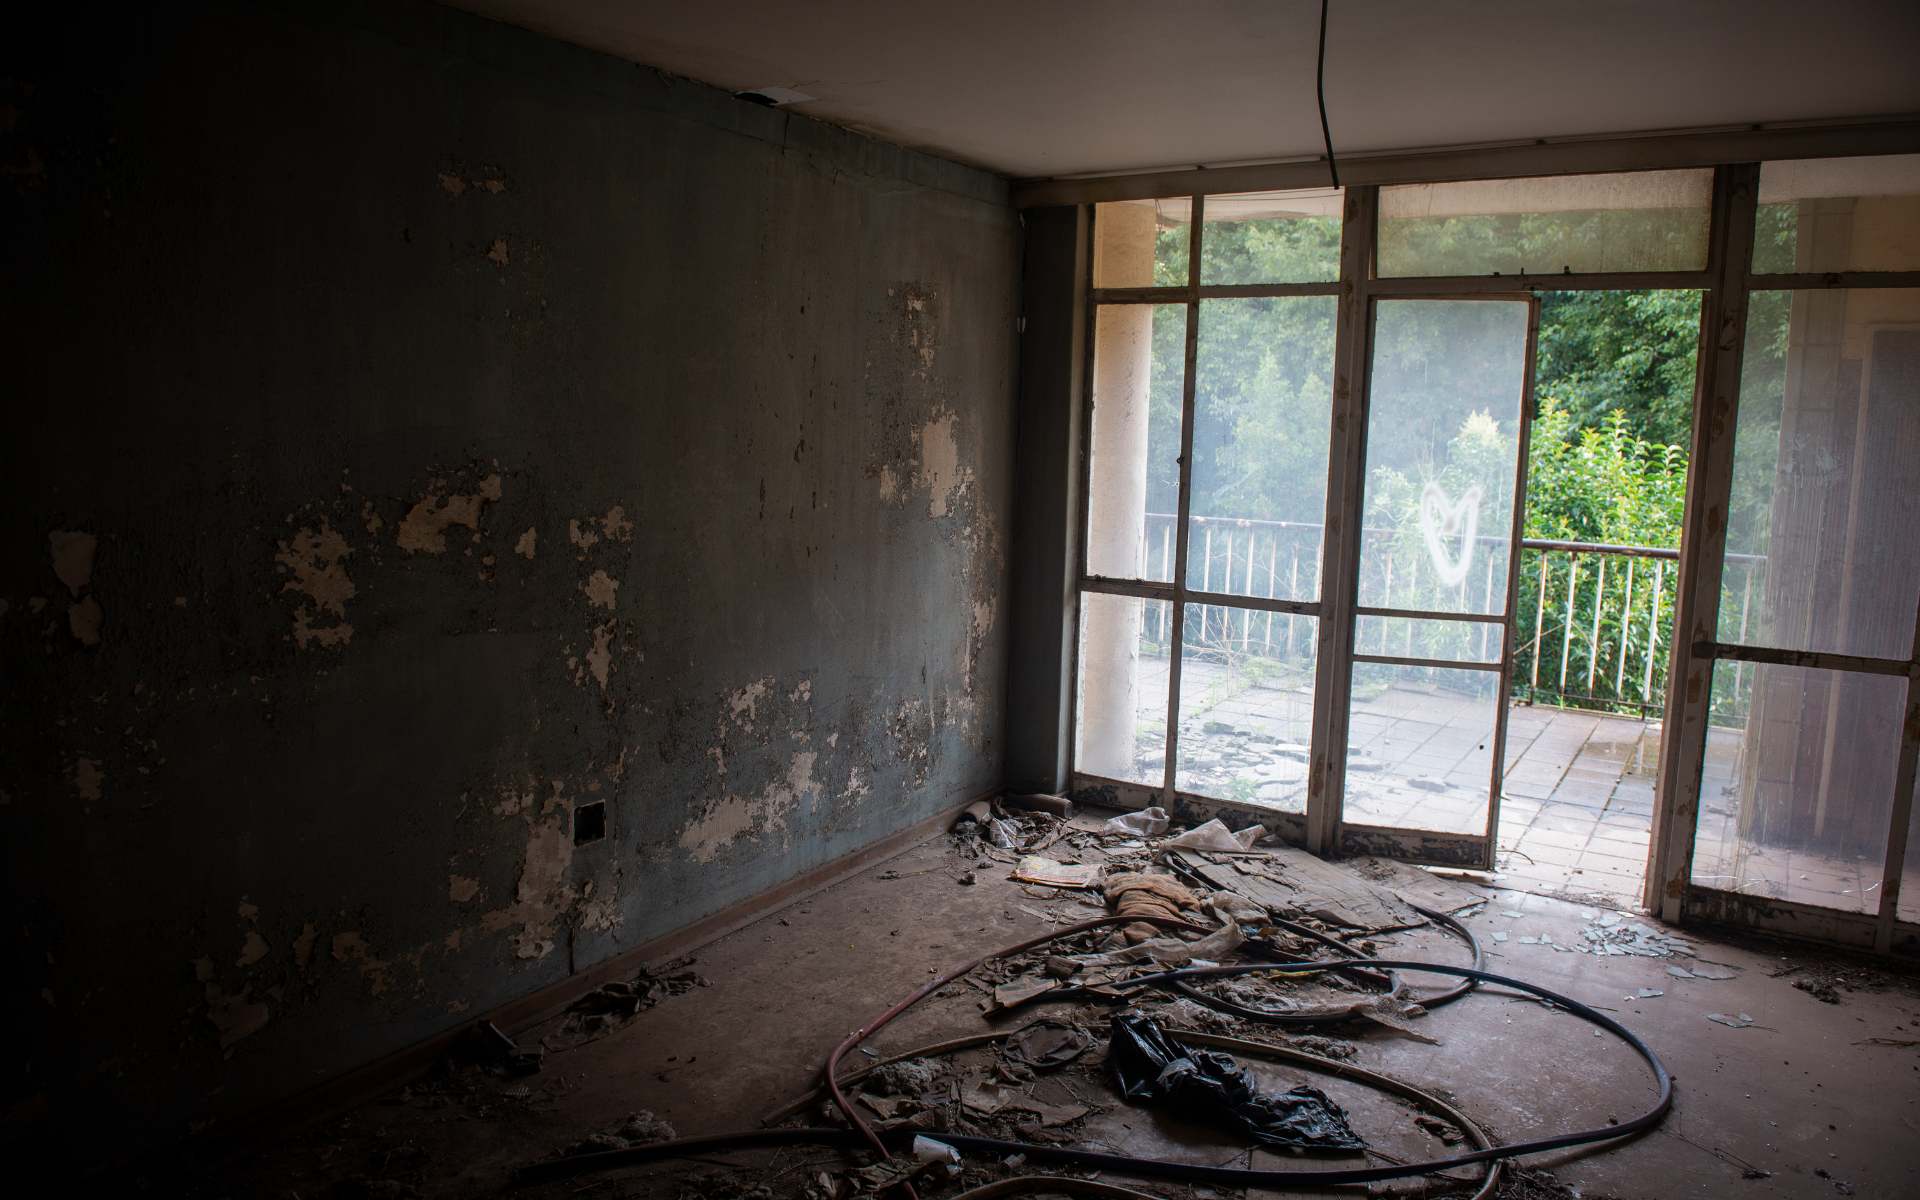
<point x="427" y="429"/>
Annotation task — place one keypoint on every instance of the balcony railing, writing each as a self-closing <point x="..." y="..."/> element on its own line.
<point x="1592" y="624"/>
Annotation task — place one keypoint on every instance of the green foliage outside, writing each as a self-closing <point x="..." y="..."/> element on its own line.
<point x="1613" y="386"/>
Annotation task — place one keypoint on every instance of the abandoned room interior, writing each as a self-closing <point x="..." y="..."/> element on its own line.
<point x="769" y="601"/>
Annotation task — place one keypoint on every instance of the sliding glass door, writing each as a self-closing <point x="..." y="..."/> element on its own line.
<point x="1446" y="431"/>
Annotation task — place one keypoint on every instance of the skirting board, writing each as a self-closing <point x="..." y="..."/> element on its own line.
<point x="361" y="1083"/>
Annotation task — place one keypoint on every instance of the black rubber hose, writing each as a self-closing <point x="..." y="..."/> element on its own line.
<point x="1329" y="1013"/>
<point x="1151" y="1167"/>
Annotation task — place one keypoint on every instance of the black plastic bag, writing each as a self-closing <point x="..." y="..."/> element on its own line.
<point x="1152" y="1067"/>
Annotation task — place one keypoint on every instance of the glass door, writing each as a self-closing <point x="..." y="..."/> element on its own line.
<point x="1448" y="404"/>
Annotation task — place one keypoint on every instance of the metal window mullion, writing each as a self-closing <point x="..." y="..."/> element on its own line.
<point x="1416" y="287"/>
<point x="1703" y="541"/>
<point x="1083" y="503"/>
<point x="1900" y="820"/>
<point x="1816" y="281"/>
<point x="1819" y="660"/>
<point x="1196" y="224"/>
<point x="1499" y="766"/>
<point x="1339" y="546"/>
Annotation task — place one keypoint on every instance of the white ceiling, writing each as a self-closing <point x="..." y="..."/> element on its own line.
<point x="1037" y="88"/>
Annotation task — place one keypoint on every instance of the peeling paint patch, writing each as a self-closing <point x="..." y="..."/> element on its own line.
<point x="72" y="557"/>
<point x="452" y="185"/>
<point x="733" y="816"/>
<point x="600" y="658"/>
<point x="316" y="560"/>
<point x="745" y="703"/>
<point x="83" y="621"/>
<point x="424" y="528"/>
<point x="497" y="253"/>
<point x="602" y="591"/>
<point x="939" y="470"/>
<point x="89" y="781"/>
<point x="303" y="945"/>
<point x="542" y="894"/>
<point x="351" y="947"/>
<point x="583" y="538"/>
<point x="525" y="546"/>
<point x="889" y="484"/>
<point x="252" y="950"/>
<point x="370" y="518"/>
<point x="616" y="525"/>
<point x="462" y="888"/>
<point x="233" y="1015"/>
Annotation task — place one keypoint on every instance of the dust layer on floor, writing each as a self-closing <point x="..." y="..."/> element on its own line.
<point x="1798" y="1072"/>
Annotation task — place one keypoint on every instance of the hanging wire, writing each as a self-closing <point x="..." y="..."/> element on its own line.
<point x="1320" y="90"/>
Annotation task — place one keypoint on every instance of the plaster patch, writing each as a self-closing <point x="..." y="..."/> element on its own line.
<point x="424" y="528"/>
<point x="452" y="185"/>
<point x="602" y="591"/>
<point x="462" y="888"/>
<point x="89" y="781"/>
<point x="72" y="557"/>
<point x="83" y="620"/>
<point x="497" y="253"/>
<point x="939" y="470"/>
<point x="252" y="950"/>
<point x="583" y="538"/>
<point x="525" y="546"/>
<point x="802" y="692"/>
<point x="889" y="484"/>
<point x="351" y="947"/>
<point x="316" y="561"/>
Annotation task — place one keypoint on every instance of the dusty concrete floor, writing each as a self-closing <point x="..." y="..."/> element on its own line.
<point x="1805" y="1094"/>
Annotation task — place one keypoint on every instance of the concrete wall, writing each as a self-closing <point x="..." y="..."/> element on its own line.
<point x="421" y="429"/>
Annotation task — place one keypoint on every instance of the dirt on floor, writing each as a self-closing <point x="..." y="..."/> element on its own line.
<point x="1798" y="1072"/>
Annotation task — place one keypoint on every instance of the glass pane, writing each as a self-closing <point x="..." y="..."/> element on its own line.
<point x="1420" y="747"/>
<point x="1272" y="237"/>
<point x="1821" y="549"/>
<point x="1796" y="789"/>
<point x="1643" y="221"/>
<point x="1246" y="706"/>
<point x="1133" y="481"/>
<point x="1120" y="714"/>
<point x="1839" y="214"/>
<point x="1141" y="243"/>
<point x="1262" y="409"/>
<point x="1443" y="437"/>
<point x="1418" y="637"/>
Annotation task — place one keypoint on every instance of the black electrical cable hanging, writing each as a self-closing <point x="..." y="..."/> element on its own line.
<point x="1320" y="91"/>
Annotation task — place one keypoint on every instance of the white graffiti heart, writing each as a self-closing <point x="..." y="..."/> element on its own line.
<point x="1442" y="520"/>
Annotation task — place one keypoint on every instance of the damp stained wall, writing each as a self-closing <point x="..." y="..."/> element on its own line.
<point x="418" y="430"/>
